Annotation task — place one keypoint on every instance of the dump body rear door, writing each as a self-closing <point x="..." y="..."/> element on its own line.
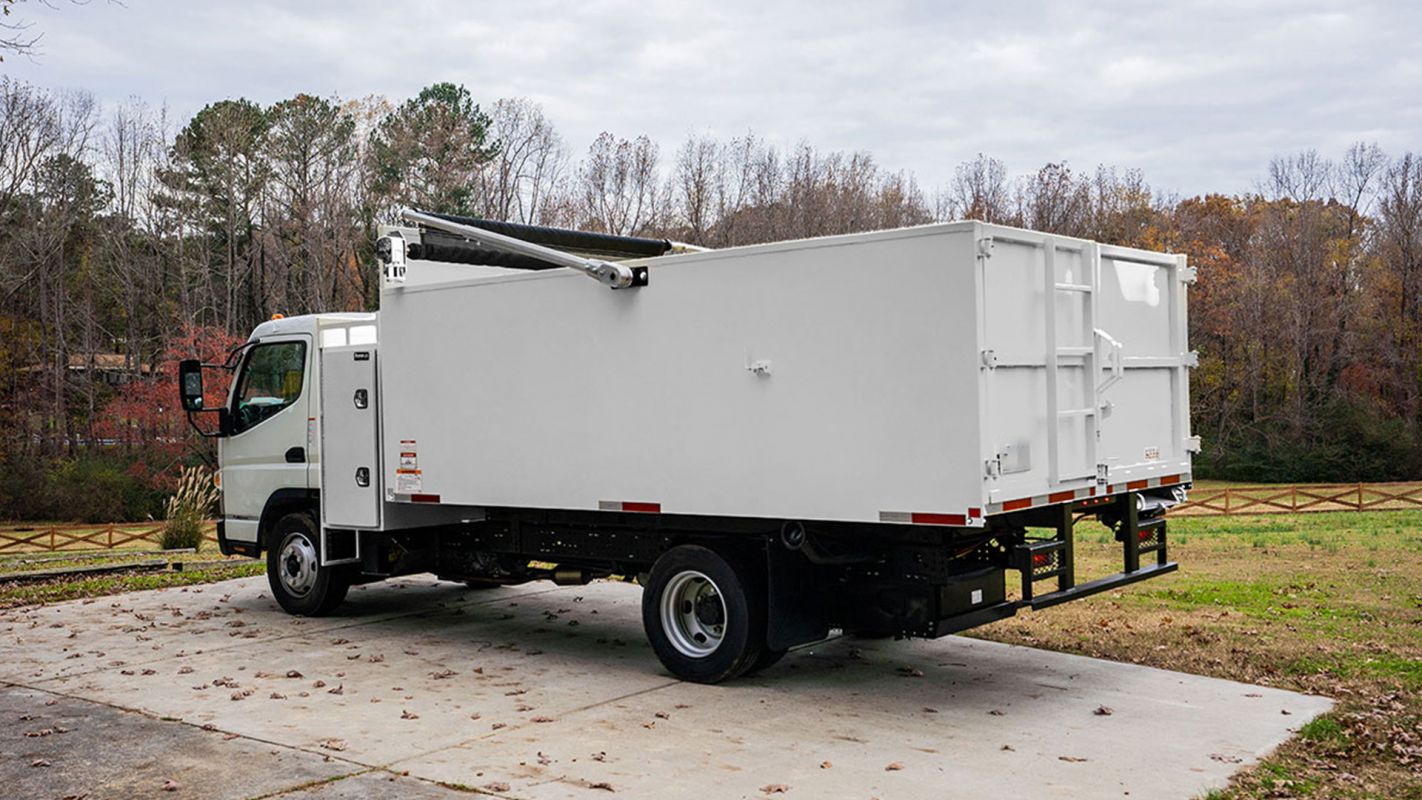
<point x="1141" y="304"/>
<point x="1085" y="380"/>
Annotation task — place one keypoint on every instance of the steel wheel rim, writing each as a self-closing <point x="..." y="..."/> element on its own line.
<point x="693" y="614"/>
<point x="297" y="564"/>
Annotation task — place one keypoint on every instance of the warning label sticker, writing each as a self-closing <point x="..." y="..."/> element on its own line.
<point x="408" y="479"/>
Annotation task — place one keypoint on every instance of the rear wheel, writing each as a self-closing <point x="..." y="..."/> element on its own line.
<point x="704" y="614"/>
<point x="768" y="658"/>
<point x="299" y="583"/>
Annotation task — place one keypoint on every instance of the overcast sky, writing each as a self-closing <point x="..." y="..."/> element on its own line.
<point x="1197" y="94"/>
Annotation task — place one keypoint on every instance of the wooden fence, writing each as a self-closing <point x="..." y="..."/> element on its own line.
<point x="22" y="539"/>
<point x="1302" y="499"/>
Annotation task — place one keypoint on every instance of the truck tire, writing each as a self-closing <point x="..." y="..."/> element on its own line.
<point x="768" y="658"/>
<point x="299" y="583"/>
<point x="704" y="614"/>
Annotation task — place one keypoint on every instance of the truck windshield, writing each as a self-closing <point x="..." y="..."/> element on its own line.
<point x="270" y="381"/>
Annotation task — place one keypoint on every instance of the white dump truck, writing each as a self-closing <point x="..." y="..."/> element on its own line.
<point x="862" y="432"/>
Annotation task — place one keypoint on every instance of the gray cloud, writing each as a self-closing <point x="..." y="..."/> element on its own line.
<point x="1199" y="95"/>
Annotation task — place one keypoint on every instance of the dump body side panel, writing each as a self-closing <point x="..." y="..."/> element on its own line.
<point x="829" y="379"/>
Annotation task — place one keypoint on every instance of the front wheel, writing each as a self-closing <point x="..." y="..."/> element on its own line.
<point x="299" y="583"/>
<point x="704" y="615"/>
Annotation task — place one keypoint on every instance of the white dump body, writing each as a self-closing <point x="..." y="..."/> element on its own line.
<point x="937" y="374"/>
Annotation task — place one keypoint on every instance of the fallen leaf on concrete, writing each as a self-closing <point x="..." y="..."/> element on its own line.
<point x="825" y="765"/>
<point x="334" y="744"/>
<point x="995" y="712"/>
<point x="1071" y="759"/>
<point x="442" y="674"/>
<point x="649" y="725"/>
<point x="774" y="788"/>
<point x="229" y="736"/>
<point x="40" y="762"/>
<point x="1103" y="711"/>
<point x="340" y="641"/>
<point x="340" y="689"/>
<point x="497" y="787"/>
<point x="171" y="785"/>
<point x="408" y="715"/>
<point x="894" y="767"/>
<point x="929" y="710"/>
<point x="498" y="725"/>
<point x="542" y="719"/>
<point x="209" y="727"/>
<point x="601" y="755"/>
<point x="543" y="759"/>
<point x="910" y="672"/>
<point x="149" y="672"/>
<point x="1009" y="748"/>
<point x="603" y="785"/>
<point x="662" y="715"/>
<point x="1225" y="758"/>
<point x="376" y="659"/>
<point x="291" y="673"/>
<point x="277" y="696"/>
<point x="318" y="685"/>
<point x="184" y="670"/>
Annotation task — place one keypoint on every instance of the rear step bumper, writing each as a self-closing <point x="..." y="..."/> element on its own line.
<point x="1099" y="585"/>
<point x="1053" y="559"/>
<point x="1009" y="608"/>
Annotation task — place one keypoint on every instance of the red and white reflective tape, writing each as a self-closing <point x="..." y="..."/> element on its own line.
<point x="628" y="505"/>
<point x="973" y="518"/>
<point x="1073" y="495"/>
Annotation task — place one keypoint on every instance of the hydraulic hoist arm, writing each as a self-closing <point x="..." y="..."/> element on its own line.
<point x="616" y="276"/>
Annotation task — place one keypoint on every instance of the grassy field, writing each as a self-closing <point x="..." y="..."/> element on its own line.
<point x="1328" y="603"/>
<point x="202" y="567"/>
<point x="1325" y="603"/>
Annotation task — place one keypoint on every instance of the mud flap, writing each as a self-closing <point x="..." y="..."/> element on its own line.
<point x="796" y="609"/>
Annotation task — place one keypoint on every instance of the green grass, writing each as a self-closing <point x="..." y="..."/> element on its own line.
<point x="1324" y="729"/>
<point x="23" y="594"/>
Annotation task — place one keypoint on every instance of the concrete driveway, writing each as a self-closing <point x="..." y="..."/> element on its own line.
<point x="420" y="689"/>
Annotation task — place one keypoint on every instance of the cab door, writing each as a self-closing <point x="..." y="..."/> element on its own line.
<point x="267" y="449"/>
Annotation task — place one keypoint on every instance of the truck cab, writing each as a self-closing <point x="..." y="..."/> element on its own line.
<point x="270" y="454"/>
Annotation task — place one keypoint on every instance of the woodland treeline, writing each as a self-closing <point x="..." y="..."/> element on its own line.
<point x="129" y="239"/>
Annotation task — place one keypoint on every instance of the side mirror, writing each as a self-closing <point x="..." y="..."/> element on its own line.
<point x="190" y="384"/>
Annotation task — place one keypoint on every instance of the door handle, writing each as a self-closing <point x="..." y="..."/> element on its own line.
<point x="296" y="455"/>
<point x="1118" y="366"/>
<point x="362" y="398"/>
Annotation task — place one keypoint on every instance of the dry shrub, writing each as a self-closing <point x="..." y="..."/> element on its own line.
<point x="188" y="510"/>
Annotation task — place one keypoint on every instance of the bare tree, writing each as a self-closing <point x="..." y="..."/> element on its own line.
<point x="979" y="191"/>
<point x="15" y="36"/>
<point x="618" y="184"/>
<point x="530" y="162"/>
